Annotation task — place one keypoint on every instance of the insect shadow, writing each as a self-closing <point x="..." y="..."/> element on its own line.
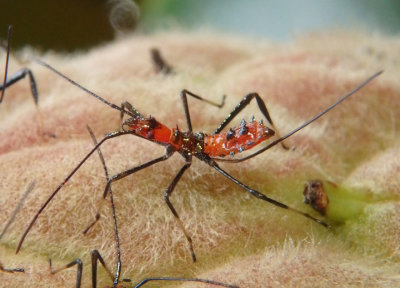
<point x="216" y="147"/>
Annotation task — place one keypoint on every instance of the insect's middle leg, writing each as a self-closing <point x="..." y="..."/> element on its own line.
<point x="184" y="94"/>
<point x="168" y="193"/>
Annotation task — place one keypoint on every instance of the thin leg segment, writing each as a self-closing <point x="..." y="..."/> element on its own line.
<point x="18" y="75"/>
<point x="95" y="255"/>
<point x="107" y="137"/>
<point x="40" y="62"/>
<point x="199" y="280"/>
<point x="76" y="262"/>
<point x="168" y="193"/>
<point x="260" y="195"/>
<point x="2" y="268"/>
<point x="121" y="175"/>
<point x="184" y="94"/>
<point x="117" y="245"/>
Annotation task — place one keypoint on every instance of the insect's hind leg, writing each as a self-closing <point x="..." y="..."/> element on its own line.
<point x="242" y="104"/>
<point x="260" y="195"/>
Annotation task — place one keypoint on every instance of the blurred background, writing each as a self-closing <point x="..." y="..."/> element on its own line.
<point x="68" y="25"/>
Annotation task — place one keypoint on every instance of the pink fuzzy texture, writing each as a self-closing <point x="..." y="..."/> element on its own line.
<point x="237" y="238"/>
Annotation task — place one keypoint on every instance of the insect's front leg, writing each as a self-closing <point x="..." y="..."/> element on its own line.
<point x="127" y="108"/>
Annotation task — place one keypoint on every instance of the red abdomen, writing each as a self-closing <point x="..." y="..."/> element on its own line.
<point x="236" y="140"/>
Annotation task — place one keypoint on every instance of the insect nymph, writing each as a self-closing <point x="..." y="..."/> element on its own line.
<point x="210" y="149"/>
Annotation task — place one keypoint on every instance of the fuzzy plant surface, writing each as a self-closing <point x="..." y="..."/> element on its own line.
<point x="238" y="239"/>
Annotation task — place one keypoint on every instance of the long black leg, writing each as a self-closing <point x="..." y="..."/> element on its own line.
<point x="326" y="110"/>
<point x="117" y="245"/>
<point x="95" y="255"/>
<point x="107" y="137"/>
<point x="126" y="173"/>
<point x="97" y="218"/>
<point x="18" y="75"/>
<point x="199" y="280"/>
<point x="242" y="104"/>
<point x="77" y="262"/>
<point x="259" y="195"/>
<point x="10" y="270"/>
<point x="184" y="94"/>
<point x="168" y="193"/>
